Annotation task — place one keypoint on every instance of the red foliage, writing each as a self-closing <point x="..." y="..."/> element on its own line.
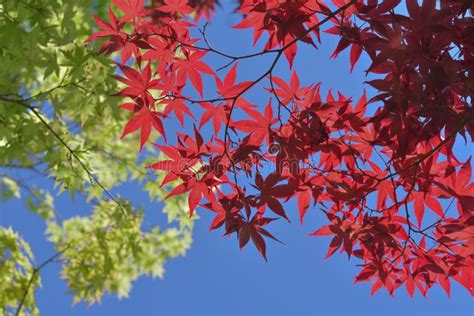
<point x="328" y="152"/>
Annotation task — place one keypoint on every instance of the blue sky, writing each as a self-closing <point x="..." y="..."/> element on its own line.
<point x="215" y="277"/>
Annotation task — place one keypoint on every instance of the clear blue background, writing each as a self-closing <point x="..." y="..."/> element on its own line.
<point x="215" y="278"/>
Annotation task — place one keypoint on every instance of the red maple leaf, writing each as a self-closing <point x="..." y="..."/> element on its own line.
<point x="131" y="8"/>
<point x="217" y="114"/>
<point x="228" y="88"/>
<point x="191" y="67"/>
<point x="270" y="190"/>
<point x="138" y="83"/>
<point x="178" y="107"/>
<point x="144" y="120"/>
<point x="176" y="6"/>
<point x="260" y="126"/>
<point x="253" y="230"/>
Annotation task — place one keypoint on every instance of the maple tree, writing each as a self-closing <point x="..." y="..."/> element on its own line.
<point x="59" y="140"/>
<point x="374" y="173"/>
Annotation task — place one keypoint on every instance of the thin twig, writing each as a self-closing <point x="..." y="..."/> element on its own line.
<point x="93" y="178"/>
<point x="35" y="272"/>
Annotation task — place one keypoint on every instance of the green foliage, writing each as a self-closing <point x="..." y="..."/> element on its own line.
<point x="58" y="119"/>
<point x="108" y="251"/>
<point x="16" y="274"/>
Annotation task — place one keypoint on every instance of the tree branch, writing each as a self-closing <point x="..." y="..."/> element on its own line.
<point x="36" y="270"/>
<point x="93" y="178"/>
